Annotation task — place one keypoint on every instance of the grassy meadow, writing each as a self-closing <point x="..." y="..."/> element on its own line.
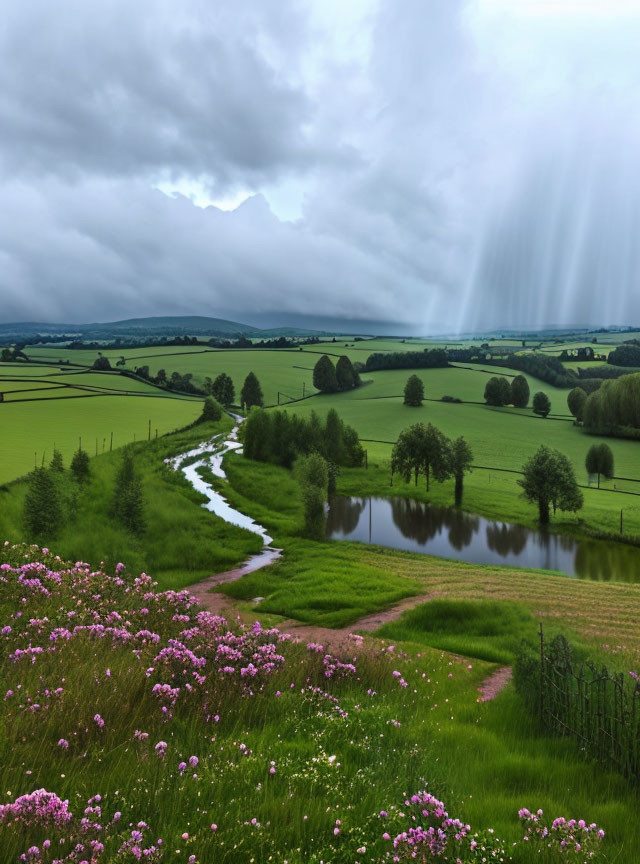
<point x="229" y="743"/>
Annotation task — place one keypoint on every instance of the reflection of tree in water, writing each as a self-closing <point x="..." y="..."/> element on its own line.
<point x="606" y="561"/>
<point x="421" y="522"/>
<point x="506" y="539"/>
<point x="344" y="514"/>
<point x="414" y="519"/>
<point x="462" y="527"/>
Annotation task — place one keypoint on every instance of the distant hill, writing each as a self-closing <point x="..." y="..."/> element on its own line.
<point x="175" y="325"/>
<point x="157" y="326"/>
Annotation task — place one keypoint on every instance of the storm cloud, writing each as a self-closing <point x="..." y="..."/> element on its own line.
<point x="440" y="166"/>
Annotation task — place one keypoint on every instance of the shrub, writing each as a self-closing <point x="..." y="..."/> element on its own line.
<point x="212" y="410"/>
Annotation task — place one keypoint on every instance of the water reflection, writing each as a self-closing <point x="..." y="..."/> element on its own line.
<point x="405" y="523"/>
<point x="506" y="539"/>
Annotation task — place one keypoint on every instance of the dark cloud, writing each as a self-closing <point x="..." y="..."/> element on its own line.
<point x="450" y="163"/>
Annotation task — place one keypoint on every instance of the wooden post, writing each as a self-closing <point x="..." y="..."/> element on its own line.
<point x="96" y="446"/>
<point x="149" y="435"/>
<point x="111" y="443"/>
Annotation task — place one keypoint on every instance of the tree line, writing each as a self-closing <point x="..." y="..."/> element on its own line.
<point x="280" y="438"/>
<point x="613" y="409"/>
<point x="328" y="378"/>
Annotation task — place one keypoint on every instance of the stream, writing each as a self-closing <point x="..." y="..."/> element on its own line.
<point x="213" y="452"/>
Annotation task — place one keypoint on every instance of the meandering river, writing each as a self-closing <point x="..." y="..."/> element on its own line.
<point x="405" y="523"/>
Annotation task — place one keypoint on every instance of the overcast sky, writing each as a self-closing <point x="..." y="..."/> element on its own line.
<point x="440" y="165"/>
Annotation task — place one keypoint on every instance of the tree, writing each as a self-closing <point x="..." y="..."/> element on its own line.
<point x="161" y="378"/>
<point x="223" y="389"/>
<point x="80" y="465"/>
<point x="57" y="463"/>
<point x="460" y="461"/>
<point x="324" y="375"/>
<point x="419" y="450"/>
<point x="128" y="501"/>
<point x="101" y="363"/>
<point x="549" y="480"/>
<point x="43" y="516"/>
<point x="212" y="410"/>
<point x="413" y="392"/>
<point x="576" y="401"/>
<point x="600" y="461"/>
<point x="541" y="404"/>
<point x="519" y="395"/>
<point x="251" y="392"/>
<point x="346" y="376"/>
<point x="313" y="476"/>
<point x="406" y="456"/>
<point x="256" y="435"/>
<point x="435" y="454"/>
<point x="497" y="392"/>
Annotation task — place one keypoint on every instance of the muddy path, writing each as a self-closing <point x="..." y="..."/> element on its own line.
<point x="210" y="454"/>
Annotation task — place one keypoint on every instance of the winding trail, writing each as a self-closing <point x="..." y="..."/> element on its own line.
<point x="210" y="454"/>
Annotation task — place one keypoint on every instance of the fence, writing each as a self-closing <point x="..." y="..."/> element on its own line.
<point x="601" y="709"/>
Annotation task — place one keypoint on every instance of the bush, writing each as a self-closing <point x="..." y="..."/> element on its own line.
<point x="212" y="410"/>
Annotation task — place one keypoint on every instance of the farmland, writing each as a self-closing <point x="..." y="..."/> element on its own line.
<point x="279" y="742"/>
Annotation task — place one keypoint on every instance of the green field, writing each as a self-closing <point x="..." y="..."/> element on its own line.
<point x="485" y="760"/>
<point x="35" y="421"/>
<point x="500" y="437"/>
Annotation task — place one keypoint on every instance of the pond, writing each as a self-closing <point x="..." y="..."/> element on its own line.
<point x="404" y="523"/>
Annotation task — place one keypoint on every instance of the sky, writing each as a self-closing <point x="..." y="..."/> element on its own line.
<point x="442" y="166"/>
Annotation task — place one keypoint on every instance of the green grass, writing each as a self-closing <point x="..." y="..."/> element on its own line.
<point x="30" y="430"/>
<point x="182" y="542"/>
<point x="490" y="630"/>
<point x="484" y="760"/>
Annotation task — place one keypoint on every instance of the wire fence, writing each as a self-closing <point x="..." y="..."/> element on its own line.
<point x="599" y="708"/>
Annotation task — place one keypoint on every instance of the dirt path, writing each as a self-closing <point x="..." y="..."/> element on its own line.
<point x="222" y="605"/>
<point x="495" y="684"/>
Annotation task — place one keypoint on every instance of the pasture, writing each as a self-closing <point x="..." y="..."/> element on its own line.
<point x="44" y="407"/>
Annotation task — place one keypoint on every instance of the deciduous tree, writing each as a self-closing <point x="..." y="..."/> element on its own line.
<point x="519" y="395"/>
<point x="413" y="391"/>
<point x="549" y="481"/>
<point x="600" y="461"/>
<point x="541" y="404"/>
<point x="324" y="375"/>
